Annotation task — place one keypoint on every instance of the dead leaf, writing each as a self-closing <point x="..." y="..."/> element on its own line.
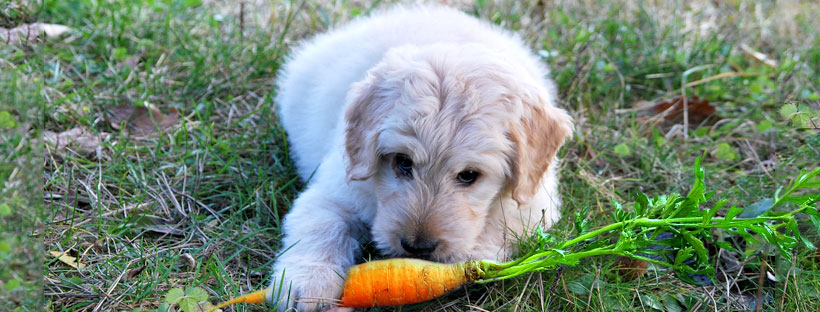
<point x="80" y="138"/>
<point x="98" y="244"/>
<point x="771" y="276"/>
<point x="189" y="260"/>
<point x="599" y="185"/>
<point x="30" y="32"/>
<point x="206" y="306"/>
<point x="70" y="198"/>
<point x="69" y="260"/>
<point x="134" y="272"/>
<point x="165" y="230"/>
<point x="759" y="56"/>
<point x="119" y="114"/>
<point x="630" y="269"/>
<point x="53" y="30"/>
<point x="815" y="257"/>
<point x="730" y="261"/>
<point x="672" y="110"/>
<point x="142" y="121"/>
<point x="146" y="122"/>
<point x="132" y="61"/>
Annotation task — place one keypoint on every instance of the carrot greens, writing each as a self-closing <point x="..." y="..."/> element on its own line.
<point x="670" y="230"/>
<point x="667" y="230"/>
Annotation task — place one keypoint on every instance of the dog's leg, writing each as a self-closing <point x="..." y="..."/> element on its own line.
<point x="319" y="245"/>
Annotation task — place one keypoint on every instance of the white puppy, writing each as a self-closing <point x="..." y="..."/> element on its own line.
<point x="423" y="129"/>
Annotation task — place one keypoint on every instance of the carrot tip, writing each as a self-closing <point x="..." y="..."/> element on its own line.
<point x="256" y="297"/>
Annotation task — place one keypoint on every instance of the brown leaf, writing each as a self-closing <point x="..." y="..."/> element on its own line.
<point x="672" y="110"/>
<point x="145" y="122"/>
<point x="630" y="269"/>
<point x="815" y="257"/>
<point x="70" y="198"/>
<point x="80" y="138"/>
<point x="141" y="121"/>
<point x="118" y="114"/>
<point x="134" y="272"/>
<point x="98" y="244"/>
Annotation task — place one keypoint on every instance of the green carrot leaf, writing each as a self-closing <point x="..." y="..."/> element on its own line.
<point x="792" y="226"/>
<point x="641" y="203"/>
<point x="581" y="222"/>
<point x="707" y="217"/>
<point x="696" y="193"/>
<point x="619" y="214"/>
<point x="815" y="219"/>
<point x="697" y="244"/>
<point x="734" y="211"/>
<point x="683" y="255"/>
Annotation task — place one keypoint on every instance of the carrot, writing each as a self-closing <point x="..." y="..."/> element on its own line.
<point x="404" y="281"/>
<point x="256" y="297"/>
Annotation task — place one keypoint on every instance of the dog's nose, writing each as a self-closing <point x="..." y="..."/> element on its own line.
<point x="421" y="248"/>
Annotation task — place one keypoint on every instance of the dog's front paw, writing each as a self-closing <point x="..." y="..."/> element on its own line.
<point x="305" y="287"/>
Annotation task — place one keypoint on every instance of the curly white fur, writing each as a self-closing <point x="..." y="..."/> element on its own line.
<point x="450" y="92"/>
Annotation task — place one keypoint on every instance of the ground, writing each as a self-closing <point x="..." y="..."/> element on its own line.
<point x="165" y="166"/>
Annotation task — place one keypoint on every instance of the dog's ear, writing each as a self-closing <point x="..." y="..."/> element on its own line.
<point x="365" y="111"/>
<point x="536" y="138"/>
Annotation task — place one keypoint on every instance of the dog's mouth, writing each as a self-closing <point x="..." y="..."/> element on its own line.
<point x="429" y="257"/>
<point x="442" y="255"/>
<point x="400" y="240"/>
<point x="422" y="257"/>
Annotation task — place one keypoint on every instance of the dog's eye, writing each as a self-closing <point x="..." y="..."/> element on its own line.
<point x="404" y="164"/>
<point x="467" y="177"/>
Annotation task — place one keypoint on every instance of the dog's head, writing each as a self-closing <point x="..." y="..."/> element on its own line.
<point x="445" y="132"/>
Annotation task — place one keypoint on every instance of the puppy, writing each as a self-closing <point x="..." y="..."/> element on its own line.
<point x="423" y="129"/>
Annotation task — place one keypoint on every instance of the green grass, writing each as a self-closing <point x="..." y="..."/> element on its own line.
<point x="21" y="258"/>
<point x="199" y="205"/>
<point x="21" y="280"/>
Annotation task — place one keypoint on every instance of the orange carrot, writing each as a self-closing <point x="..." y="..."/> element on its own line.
<point x="404" y="281"/>
<point x="256" y="297"/>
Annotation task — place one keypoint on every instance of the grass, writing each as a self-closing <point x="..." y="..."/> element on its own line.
<point x="199" y="204"/>
<point x="21" y="278"/>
